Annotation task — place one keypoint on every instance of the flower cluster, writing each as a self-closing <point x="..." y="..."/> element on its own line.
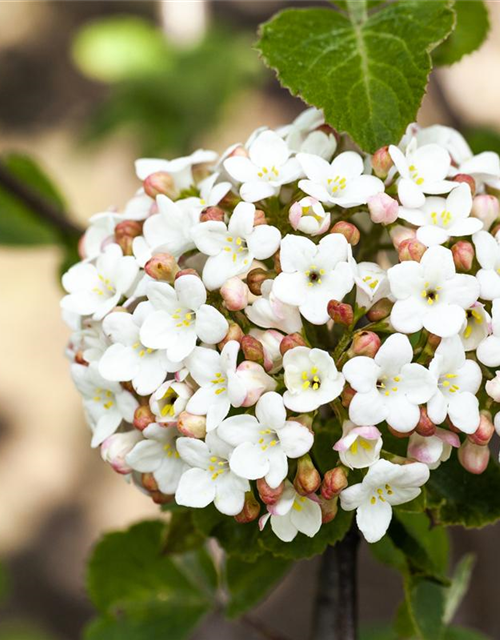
<point x="238" y="306"/>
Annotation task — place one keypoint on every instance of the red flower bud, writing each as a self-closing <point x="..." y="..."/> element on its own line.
<point x="212" y="214"/>
<point x="399" y="434"/>
<point x="307" y="480"/>
<point x="255" y="278"/>
<point x="411" y="250"/>
<point x="334" y="481"/>
<point x="329" y="509"/>
<point x="234" y="292"/>
<point x="162" y="267"/>
<point x="186" y="272"/>
<point x="259" y="218"/>
<point x="347" y="395"/>
<point x="192" y="426"/>
<point x="148" y="482"/>
<point x="380" y="310"/>
<point x="290" y="342"/>
<point x="143" y="417"/>
<point x="465" y="177"/>
<point x="235" y="332"/>
<point x="382" y="162"/>
<point x="425" y="426"/>
<point x="364" y="343"/>
<point x="250" y="511"/>
<point x="348" y="230"/>
<point x="485" y="430"/>
<point x="158" y="183"/>
<point x="340" y="312"/>
<point x="474" y="458"/>
<point x="125" y="232"/>
<point x="252" y="349"/>
<point x="268" y="495"/>
<point x="463" y="255"/>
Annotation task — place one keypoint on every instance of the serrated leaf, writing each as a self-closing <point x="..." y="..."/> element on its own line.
<point x="459" y="586"/>
<point x="368" y="72"/>
<point x="250" y="582"/>
<point x="464" y="498"/>
<point x="471" y="29"/>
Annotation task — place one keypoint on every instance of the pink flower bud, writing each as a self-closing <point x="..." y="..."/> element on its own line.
<point x="271" y="341"/>
<point x="125" y="232"/>
<point x="348" y="230"/>
<point x="148" y="482"/>
<point x="347" y="395"/>
<point x="364" y="343"/>
<point x="115" y="449"/>
<point x="252" y="349"/>
<point x="399" y="434"/>
<point x="192" y="426"/>
<point x="291" y="341"/>
<point x="162" y="267"/>
<point x="382" y="162"/>
<point x="380" y="310"/>
<point x="485" y="431"/>
<point x="255" y="278"/>
<point x="399" y="234"/>
<point x="463" y="255"/>
<point x="467" y="179"/>
<point x="307" y="479"/>
<point x="425" y="426"/>
<point x="259" y="218"/>
<point x="234" y="292"/>
<point x="340" y="312"/>
<point x="329" y="508"/>
<point x="143" y="417"/>
<point x="383" y="209"/>
<point x="256" y="381"/>
<point x="411" y="250"/>
<point x="493" y="387"/>
<point x="158" y="183"/>
<point x="235" y="332"/>
<point x="250" y="511"/>
<point x="210" y="214"/>
<point x="160" y="498"/>
<point x="268" y="495"/>
<point x="485" y="208"/>
<point x="186" y="272"/>
<point x="474" y="458"/>
<point x="334" y="481"/>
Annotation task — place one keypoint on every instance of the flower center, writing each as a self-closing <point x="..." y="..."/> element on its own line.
<point x="414" y="175"/>
<point x="447" y="385"/>
<point x="267" y="439"/>
<point x="430" y="294"/>
<point x="298" y="502"/>
<point x="387" y="386"/>
<point x="217" y="466"/>
<point x="336" y="184"/>
<point x="473" y="317"/>
<point x="311" y="379"/>
<point x="269" y="174"/>
<point x="171" y="451"/>
<point x="381" y="493"/>
<point x="237" y="247"/>
<point x="314" y="275"/>
<point x="104" y="397"/>
<point x="443" y="219"/>
<point x="167" y="402"/>
<point x="371" y="282"/>
<point x="185" y="317"/>
<point x="218" y="381"/>
<point x="142" y="350"/>
<point x="360" y="442"/>
<point x="104" y="288"/>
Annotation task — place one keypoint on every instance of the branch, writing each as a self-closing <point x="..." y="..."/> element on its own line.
<point x="39" y="205"/>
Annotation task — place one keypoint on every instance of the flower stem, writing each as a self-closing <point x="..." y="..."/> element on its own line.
<point x="336" y="600"/>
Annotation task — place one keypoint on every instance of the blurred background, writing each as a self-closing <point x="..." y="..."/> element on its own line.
<point x="85" y="88"/>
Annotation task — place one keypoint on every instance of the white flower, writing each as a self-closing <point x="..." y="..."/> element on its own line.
<point x="488" y="351"/>
<point x="89" y="339"/>
<point x="271" y="341"/>
<point x="492" y="388"/>
<point x="342" y="182"/>
<point x="359" y="447"/>
<point x="106" y="403"/>
<point x="458" y="381"/>
<point x="488" y="256"/>
<point x="304" y="134"/>
<point x="255" y="380"/>
<point x="432" y="450"/>
<point x="157" y="454"/>
<point x="96" y="289"/>
<point x="270" y="313"/>
<point x="311" y="379"/>
<point x="371" y="283"/>
<point x="220" y="385"/>
<point x="422" y="170"/>
<point x="267" y="167"/>
<point x="232" y="249"/>
<point x="180" y="316"/>
<point x="264" y="443"/>
<point x="389" y="387"/>
<point x="211" y="191"/>
<point x="431" y="294"/>
<point x="210" y="479"/>
<point x="99" y="233"/>
<point x="180" y="168"/>
<point x="384" y="486"/>
<point x="114" y="450"/>
<point x="439" y="219"/>
<point x="312" y="275"/>
<point x="484" y="168"/>
<point x="169" y="400"/>
<point x="308" y="215"/>
<point x="476" y="326"/>
<point x="293" y="514"/>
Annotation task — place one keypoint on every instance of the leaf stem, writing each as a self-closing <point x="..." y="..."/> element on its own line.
<point x="39" y="205"/>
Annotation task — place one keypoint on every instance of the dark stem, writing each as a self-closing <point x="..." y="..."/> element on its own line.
<point x="39" y="205"/>
<point x="336" y="615"/>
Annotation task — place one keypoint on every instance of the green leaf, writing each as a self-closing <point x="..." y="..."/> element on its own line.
<point x="483" y="139"/>
<point x="250" y="582"/>
<point x="20" y="630"/>
<point x="368" y="72"/>
<point x="470" y="32"/>
<point x="182" y="535"/>
<point x="377" y="632"/>
<point x="462" y="633"/>
<point x="459" y="586"/>
<point x="463" y="498"/>
<point x="425" y="601"/>
<point x="121" y="48"/>
<point x="19" y="224"/>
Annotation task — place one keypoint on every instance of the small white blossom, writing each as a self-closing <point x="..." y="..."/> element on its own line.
<point x="180" y="169"/>
<point x="488" y="256"/>
<point x="359" y="447"/>
<point x="432" y="450"/>
<point x="169" y="400"/>
<point x="308" y="215"/>
<point x="488" y="351"/>
<point x="372" y="283"/>
<point x="305" y="135"/>
<point x="270" y="313"/>
<point x="476" y="327"/>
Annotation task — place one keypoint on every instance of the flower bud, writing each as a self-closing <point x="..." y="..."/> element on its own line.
<point x="399" y="434"/>
<point x="192" y="426"/>
<point x="212" y="214"/>
<point x="348" y="230"/>
<point x="186" y="272"/>
<point x="411" y="250"/>
<point x="255" y="380"/>
<point x="485" y="431"/>
<point x="267" y="494"/>
<point x="334" y="481"/>
<point x="259" y="218"/>
<point x="383" y="209"/>
<point x="143" y="417"/>
<point x="235" y="332"/>
<point x="380" y="310"/>
<point x="493" y="387"/>
<point x="252" y="349"/>
<point x="340" y="312"/>
<point x="115" y="449"/>
<point x="425" y="426"/>
<point x="234" y="292"/>
<point x="250" y="511"/>
<point x="474" y="458"/>
<point x="399" y="234"/>
<point x="467" y="179"/>
<point x="305" y="419"/>
<point x="291" y="341"/>
<point x="158" y="183"/>
<point x="382" y="162"/>
<point x="347" y="395"/>
<point x="125" y="232"/>
<point x="329" y="509"/>
<point x="463" y="255"/>
<point x="160" y="498"/>
<point x="485" y="208"/>
<point x="255" y="278"/>
<point x="162" y="267"/>
<point x="364" y="343"/>
<point x="148" y="482"/>
<point x="271" y="341"/>
<point x="277" y="262"/>
<point x="307" y="480"/>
